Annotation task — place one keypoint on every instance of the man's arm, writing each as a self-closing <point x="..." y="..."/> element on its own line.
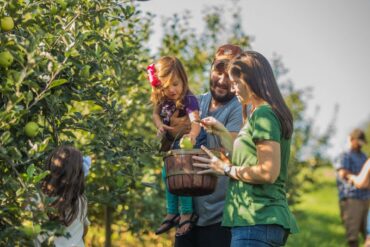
<point x="233" y="125"/>
<point x="344" y="173"/>
<point x="343" y="167"/>
<point x="234" y="135"/>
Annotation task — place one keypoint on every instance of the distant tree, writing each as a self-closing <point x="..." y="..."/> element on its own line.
<point x="366" y="129"/>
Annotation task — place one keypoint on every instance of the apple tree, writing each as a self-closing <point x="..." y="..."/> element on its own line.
<point x="71" y="72"/>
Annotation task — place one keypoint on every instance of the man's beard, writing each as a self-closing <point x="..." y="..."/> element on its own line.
<point x="220" y="98"/>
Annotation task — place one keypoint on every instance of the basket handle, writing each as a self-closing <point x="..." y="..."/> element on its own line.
<point x="175" y="139"/>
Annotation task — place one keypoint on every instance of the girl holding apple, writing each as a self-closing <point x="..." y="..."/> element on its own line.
<point x="171" y="95"/>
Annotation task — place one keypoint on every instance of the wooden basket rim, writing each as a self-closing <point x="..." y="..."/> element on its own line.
<point x="174" y="152"/>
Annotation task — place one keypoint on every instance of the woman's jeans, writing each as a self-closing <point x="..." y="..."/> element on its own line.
<point x="258" y="236"/>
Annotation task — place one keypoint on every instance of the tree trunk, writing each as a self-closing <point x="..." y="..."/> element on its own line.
<point x="108" y="226"/>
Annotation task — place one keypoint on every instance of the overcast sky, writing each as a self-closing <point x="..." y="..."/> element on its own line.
<point x="325" y="44"/>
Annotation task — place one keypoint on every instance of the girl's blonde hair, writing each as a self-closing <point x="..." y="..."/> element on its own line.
<point x="167" y="69"/>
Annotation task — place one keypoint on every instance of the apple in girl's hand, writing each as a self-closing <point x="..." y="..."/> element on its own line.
<point x="185" y="143"/>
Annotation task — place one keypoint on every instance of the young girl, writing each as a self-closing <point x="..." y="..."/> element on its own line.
<point x="171" y="95"/>
<point x="66" y="184"/>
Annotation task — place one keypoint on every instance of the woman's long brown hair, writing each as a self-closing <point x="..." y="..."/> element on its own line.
<point x="65" y="182"/>
<point x="254" y="69"/>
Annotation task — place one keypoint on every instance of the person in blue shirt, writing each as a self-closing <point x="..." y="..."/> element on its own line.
<point x="362" y="181"/>
<point x="221" y="103"/>
<point x="353" y="202"/>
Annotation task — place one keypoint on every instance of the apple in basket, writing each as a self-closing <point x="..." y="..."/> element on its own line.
<point x="185" y="143"/>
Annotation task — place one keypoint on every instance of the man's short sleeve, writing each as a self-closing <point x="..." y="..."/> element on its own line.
<point x="343" y="162"/>
<point x="266" y="126"/>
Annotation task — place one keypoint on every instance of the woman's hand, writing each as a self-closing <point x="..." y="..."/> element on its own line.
<point x="212" y="126"/>
<point x="213" y="164"/>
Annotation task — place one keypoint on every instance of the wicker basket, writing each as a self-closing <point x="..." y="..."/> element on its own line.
<point x="181" y="176"/>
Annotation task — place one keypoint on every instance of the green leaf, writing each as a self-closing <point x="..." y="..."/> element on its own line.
<point x="5" y="138"/>
<point x="57" y="83"/>
<point x="30" y="170"/>
<point x="40" y="176"/>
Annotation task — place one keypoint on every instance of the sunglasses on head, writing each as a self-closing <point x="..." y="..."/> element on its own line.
<point x="221" y="65"/>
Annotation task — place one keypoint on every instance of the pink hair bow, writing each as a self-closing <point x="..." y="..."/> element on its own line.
<point x="154" y="81"/>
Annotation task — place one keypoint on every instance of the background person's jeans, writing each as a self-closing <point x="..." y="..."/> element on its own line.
<point x="258" y="236"/>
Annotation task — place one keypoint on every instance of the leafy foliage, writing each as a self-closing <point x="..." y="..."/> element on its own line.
<point x="366" y="147"/>
<point x="77" y="73"/>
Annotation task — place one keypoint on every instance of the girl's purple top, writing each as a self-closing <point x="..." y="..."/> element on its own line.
<point x="168" y="107"/>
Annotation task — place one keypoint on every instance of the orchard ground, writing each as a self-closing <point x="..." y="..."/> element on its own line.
<point x="317" y="215"/>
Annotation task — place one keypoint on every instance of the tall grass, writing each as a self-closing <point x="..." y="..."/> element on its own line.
<point x="318" y="214"/>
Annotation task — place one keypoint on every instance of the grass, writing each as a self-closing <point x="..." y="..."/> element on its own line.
<point x="317" y="215"/>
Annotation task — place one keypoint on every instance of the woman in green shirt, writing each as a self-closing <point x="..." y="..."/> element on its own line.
<point x="256" y="207"/>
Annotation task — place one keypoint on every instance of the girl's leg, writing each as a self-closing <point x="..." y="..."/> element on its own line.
<point x="172" y="217"/>
<point x="187" y="219"/>
<point x="172" y="201"/>
<point x="186" y="204"/>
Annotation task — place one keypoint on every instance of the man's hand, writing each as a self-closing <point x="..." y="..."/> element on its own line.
<point x="343" y="174"/>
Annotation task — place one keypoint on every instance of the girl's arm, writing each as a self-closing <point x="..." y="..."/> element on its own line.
<point x="158" y="122"/>
<point x="195" y="126"/>
<point x="157" y="119"/>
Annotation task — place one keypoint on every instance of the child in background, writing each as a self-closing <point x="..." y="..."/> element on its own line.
<point x="171" y="95"/>
<point x="66" y="183"/>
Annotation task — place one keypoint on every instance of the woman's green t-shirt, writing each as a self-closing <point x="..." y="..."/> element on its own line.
<point x="252" y="204"/>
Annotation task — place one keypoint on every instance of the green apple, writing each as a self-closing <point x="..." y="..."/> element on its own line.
<point x="30" y="229"/>
<point x="7" y="23"/>
<point x="6" y="59"/>
<point x="31" y="129"/>
<point x="185" y="143"/>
